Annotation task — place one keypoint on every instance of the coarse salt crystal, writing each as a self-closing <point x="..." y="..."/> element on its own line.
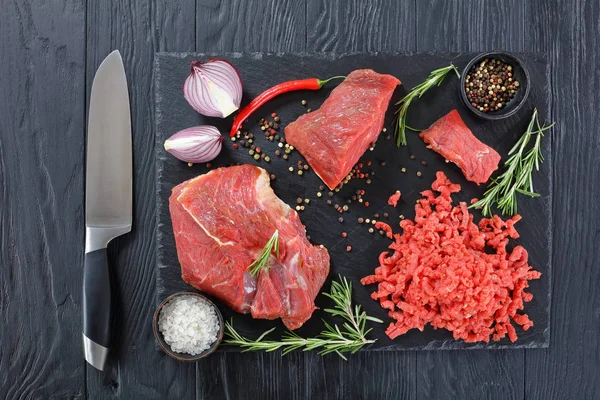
<point x="189" y="324"/>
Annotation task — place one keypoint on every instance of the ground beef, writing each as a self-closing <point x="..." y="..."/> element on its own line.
<point x="386" y="228"/>
<point x="451" y="273"/>
<point x="393" y="200"/>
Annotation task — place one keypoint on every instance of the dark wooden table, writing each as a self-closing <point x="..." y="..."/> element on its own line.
<point x="49" y="51"/>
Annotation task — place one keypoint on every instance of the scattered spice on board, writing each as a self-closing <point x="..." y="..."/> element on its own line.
<point x="490" y="84"/>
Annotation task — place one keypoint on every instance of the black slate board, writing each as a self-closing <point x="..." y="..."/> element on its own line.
<point x="260" y="71"/>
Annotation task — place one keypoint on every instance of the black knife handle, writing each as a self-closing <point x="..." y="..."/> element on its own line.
<point x="96" y="297"/>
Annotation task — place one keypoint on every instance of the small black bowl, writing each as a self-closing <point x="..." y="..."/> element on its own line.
<point x="520" y="74"/>
<point x="183" y="356"/>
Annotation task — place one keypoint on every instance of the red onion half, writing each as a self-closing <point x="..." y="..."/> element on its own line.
<point x="198" y="144"/>
<point x="213" y="88"/>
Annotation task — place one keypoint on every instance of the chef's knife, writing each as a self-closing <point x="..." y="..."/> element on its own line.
<point x="108" y="196"/>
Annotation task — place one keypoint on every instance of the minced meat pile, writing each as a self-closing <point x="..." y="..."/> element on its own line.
<point x="451" y="273"/>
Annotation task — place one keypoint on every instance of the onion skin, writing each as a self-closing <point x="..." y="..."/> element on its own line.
<point x="198" y="144"/>
<point x="213" y="88"/>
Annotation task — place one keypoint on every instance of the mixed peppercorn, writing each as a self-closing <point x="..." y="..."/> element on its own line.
<point x="489" y="85"/>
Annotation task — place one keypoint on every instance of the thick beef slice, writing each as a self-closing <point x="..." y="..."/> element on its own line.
<point x="335" y="136"/>
<point x="451" y="137"/>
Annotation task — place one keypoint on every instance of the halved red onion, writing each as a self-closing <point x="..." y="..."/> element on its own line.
<point x="198" y="144"/>
<point x="213" y="88"/>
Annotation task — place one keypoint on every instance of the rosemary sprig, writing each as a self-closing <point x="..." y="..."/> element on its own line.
<point x="435" y="79"/>
<point x="333" y="339"/>
<point x="518" y="174"/>
<point x="262" y="262"/>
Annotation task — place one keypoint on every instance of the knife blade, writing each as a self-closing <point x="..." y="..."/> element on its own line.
<point x="108" y="198"/>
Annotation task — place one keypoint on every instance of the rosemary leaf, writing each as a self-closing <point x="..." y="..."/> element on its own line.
<point x="435" y="79"/>
<point x="518" y="174"/>
<point x="262" y="262"/>
<point x="333" y="339"/>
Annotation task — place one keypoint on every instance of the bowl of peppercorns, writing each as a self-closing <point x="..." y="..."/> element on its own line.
<point x="494" y="85"/>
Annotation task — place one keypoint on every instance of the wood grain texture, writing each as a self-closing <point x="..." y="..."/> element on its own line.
<point x="366" y="26"/>
<point x="137" y="369"/>
<point x="41" y="113"/>
<point x="250" y="26"/>
<point x="569" y="34"/>
<point x="477" y="26"/>
<point x="470" y="25"/>
<point x="305" y="376"/>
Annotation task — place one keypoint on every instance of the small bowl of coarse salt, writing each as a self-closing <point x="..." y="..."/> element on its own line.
<point x="188" y="326"/>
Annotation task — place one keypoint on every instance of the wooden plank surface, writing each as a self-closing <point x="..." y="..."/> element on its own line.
<point x="138" y="29"/>
<point x="250" y="26"/>
<point x="470" y="26"/>
<point x="570" y="34"/>
<point x="42" y="89"/>
<point x="360" y="26"/>
<point x="48" y="53"/>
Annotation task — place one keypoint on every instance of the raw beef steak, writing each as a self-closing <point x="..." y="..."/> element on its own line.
<point x="222" y="221"/>
<point x="333" y="138"/>
<point x="450" y="137"/>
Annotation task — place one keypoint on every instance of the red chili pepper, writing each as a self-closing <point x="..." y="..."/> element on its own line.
<point x="304" y="84"/>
